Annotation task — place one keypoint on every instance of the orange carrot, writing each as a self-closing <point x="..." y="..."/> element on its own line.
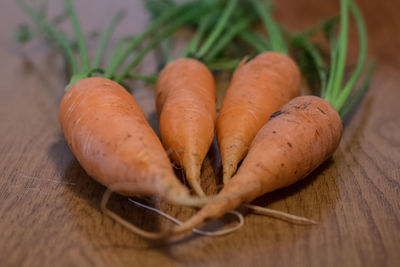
<point x="109" y="135"/>
<point x="258" y="88"/>
<point x="295" y="141"/>
<point x="186" y="105"/>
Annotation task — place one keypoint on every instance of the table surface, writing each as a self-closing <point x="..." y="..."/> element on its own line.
<point x="49" y="207"/>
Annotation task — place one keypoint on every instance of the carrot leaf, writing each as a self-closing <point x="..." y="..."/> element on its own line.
<point x="340" y="97"/>
<point x="275" y="35"/>
<point x="105" y="37"/>
<point x="238" y="27"/>
<point x="256" y="40"/>
<point x="79" y="35"/>
<point x="221" y="24"/>
<point x="193" y="46"/>
<point x="193" y="13"/>
<point x="60" y="38"/>
<point x="156" y="24"/>
<point x="224" y="64"/>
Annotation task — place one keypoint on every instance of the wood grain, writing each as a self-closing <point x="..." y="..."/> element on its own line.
<point x="49" y="207"/>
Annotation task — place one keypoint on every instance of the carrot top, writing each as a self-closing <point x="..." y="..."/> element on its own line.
<point x="79" y="62"/>
<point x="218" y="25"/>
<point x="343" y="95"/>
<point x="214" y="42"/>
<point x="276" y="39"/>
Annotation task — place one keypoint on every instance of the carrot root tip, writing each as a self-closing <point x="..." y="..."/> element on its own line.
<point x="143" y="233"/>
<point x="290" y="218"/>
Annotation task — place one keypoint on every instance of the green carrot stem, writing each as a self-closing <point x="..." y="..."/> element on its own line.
<point x="166" y="49"/>
<point x="340" y="97"/>
<point x="59" y="37"/>
<point x="79" y="35"/>
<point x="333" y="54"/>
<point x="259" y="42"/>
<point x="190" y="15"/>
<point x="221" y="24"/>
<point x="227" y="37"/>
<point x="119" y="48"/>
<point x="195" y="42"/>
<point x="316" y="58"/>
<point x="172" y="12"/>
<point x="275" y="35"/>
<point x="334" y="84"/>
<point x="223" y="64"/>
<point x="359" y="93"/>
<point x="75" y="78"/>
<point x="105" y="38"/>
<point x="151" y="79"/>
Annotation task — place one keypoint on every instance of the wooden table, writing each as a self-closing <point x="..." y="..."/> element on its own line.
<point x="49" y="207"/>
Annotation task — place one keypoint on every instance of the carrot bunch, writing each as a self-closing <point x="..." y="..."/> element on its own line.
<point x="102" y="123"/>
<point x="300" y="136"/>
<point x="279" y="136"/>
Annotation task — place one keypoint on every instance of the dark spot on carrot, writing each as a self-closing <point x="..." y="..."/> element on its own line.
<point x="282" y="164"/>
<point x="321" y="110"/>
<point x="276" y="114"/>
<point x="274" y="132"/>
<point x="127" y="137"/>
<point x="303" y="106"/>
<point x="295" y="172"/>
<point x="316" y="132"/>
<point x="289" y="144"/>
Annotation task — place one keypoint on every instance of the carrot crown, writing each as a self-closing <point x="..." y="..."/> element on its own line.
<point x="343" y="95"/>
<point x="334" y="92"/>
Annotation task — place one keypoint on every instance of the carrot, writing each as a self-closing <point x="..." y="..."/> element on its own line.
<point x="186" y="105"/>
<point x="185" y="100"/>
<point x="258" y="88"/>
<point x="295" y="140"/>
<point x="110" y="137"/>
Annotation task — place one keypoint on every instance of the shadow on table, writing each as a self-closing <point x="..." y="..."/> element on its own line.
<point x="83" y="202"/>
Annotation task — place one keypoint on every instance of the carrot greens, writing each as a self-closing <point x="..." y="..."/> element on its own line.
<point x="160" y="29"/>
<point x="343" y="95"/>
<point x="264" y="10"/>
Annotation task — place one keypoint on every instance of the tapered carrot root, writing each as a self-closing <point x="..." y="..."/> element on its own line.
<point x="109" y="135"/>
<point x="258" y="88"/>
<point x="294" y="142"/>
<point x="186" y="104"/>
